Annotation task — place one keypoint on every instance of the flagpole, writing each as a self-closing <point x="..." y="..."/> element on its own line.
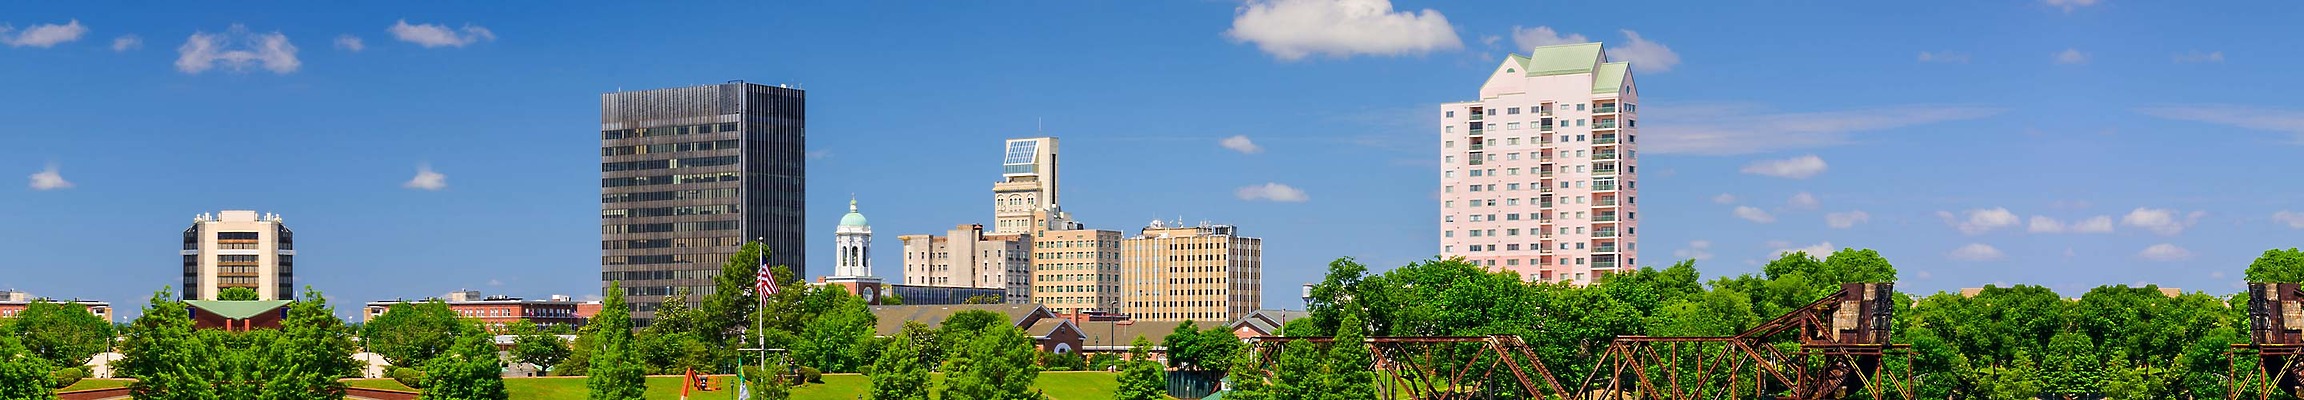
<point x="760" y="310"/>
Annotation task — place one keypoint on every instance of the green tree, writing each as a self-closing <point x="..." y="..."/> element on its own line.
<point x="1249" y="378"/>
<point x="958" y="329"/>
<point x="1335" y="294"/>
<point x="22" y="374"/>
<point x="65" y="334"/>
<point x="614" y="369"/>
<point x="835" y="342"/>
<point x="470" y="371"/>
<point x="310" y="352"/>
<point x="997" y="365"/>
<point x="1299" y="376"/>
<point x="925" y="341"/>
<point x="1142" y="378"/>
<point x="410" y="334"/>
<point x="1350" y="376"/>
<point x="2072" y="369"/>
<point x="2277" y="265"/>
<point x="167" y="359"/>
<point x="899" y="374"/>
<point x="1183" y="346"/>
<point x="538" y="347"/>
<point x="729" y="307"/>
<point x="238" y="294"/>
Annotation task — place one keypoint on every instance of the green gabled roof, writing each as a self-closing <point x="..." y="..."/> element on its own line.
<point x="237" y="309"/>
<point x="1563" y="59"/>
<point x="1610" y="77"/>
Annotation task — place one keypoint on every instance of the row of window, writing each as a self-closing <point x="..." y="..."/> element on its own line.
<point x="250" y="258"/>
<point x="670" y="243"/>
<point x="236" y="246"/>
<point x="674" y="163"/>
<point x="668" y="211"/>
<point x="236" y="235"/>
<point x="691" y="194"/>
<point x="657" y="275"/>
<point x="729" y="144"/>
<point x="669" y="179"/>
<point x="644" y="260"/>
<point x="666" y="131"/>
<point x="670" y="227"/>
<point x="1534" y="231"/>
<point x="1546" y="217"/>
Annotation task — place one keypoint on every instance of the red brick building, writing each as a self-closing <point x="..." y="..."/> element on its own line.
<point x="237" y="316"/>
<point x="497" y="313"/>
<point x="1049" y="332"/>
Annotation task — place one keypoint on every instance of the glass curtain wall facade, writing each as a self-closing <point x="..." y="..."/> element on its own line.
<point x="688" y="175"/>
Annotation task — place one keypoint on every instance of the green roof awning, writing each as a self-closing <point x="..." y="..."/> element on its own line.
<point x="237" y="309"/>
<point x="1610" y="77"/>
<point x="1563" y="59"/>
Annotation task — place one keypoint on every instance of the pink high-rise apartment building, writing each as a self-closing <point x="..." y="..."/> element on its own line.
<point x="1539" y="175"/>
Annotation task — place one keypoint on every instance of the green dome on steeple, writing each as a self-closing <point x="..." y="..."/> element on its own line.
<point x="853" y="218"/>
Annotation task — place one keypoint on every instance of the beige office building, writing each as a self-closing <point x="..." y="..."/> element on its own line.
<point x="1076" y="270"/>
<point x="1201" y="273"/>
<point x="238" y="248"/>
<point x="1027" y="185"/>
<point x="966" y="256"/>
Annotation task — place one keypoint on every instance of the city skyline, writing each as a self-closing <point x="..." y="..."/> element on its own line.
<point x="421" y="149"/>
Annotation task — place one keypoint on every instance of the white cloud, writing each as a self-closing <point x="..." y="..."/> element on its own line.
<point x="1729" y="129"/>
<point x="43" y="35"/>
<point x="1804" y="201"/>
<point x="2164" y="252"/>
<point x="1240" y="143"/>
<point x="1645" y="55"/>
<point x="2263" y="119"/>
<point x="1980" y="220"/>
<point x="1819" y="250"/>
<point x="1922" y="274"/>
<point x="1293" y="29"/>
<point x="125" y="43"/>
<point x="493" y="282"/>
<point x="1749" y="213"/>
<point x="426" y="179"/>
<point x="434" y="35"/>
<point x="2071" y="57"/>
<point x="1845" y="220"/>
<point x="2097" y="224"/>
<point x="1975" y="252"/>
<point x="2042" y="224"/>
<point x="2160" y="220"/>
<point x="2069" y="5"/>
<point x="1724" y="198"/>
<point x="1944" y="57"/>
<point x="237" y="49"/>
<point x="1272" y="192"/>
<point x="2195" y="56"/>
<point x="50" y="179"/>
<point x="1800" y="167"/>
<point x="2291" y="218"/>
<point x="1529" y="38"/>
<point x="351" y="43"/>
<point x="1696" y="250"/>
<point x="820" y="154"/>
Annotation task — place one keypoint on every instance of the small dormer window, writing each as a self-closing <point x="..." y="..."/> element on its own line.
<point x="1509" y="70"/>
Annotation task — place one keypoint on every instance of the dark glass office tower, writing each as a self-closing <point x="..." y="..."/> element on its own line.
<point x="687" y="175"/>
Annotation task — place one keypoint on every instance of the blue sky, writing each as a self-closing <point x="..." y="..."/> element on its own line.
<point x="2068" y="143"/>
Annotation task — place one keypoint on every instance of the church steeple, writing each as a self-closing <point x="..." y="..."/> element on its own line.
<point x="854" y="237"/>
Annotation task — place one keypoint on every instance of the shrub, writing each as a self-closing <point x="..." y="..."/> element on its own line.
<point x="67" y="376"/>
<point x="412" y="377"/>
<point x="811" y="375"/>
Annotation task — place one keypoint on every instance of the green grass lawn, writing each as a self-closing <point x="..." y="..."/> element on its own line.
<point x="93" y="384"/>
<point x="1058" y="386"/>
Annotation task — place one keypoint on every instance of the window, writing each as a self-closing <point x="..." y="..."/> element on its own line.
<point x="1448" y="174"/>
<point x="1579" y="138"/>
<point x="1511" y="126"/>
<point x="1475" y="173"/>
<point x="1448" y="189"/>
<point x="1448" y="129"/>
<point x="1579" y="122"/>
<point x="1513" y="232"/>
<point x="1513" y="157"/>
<point x="1449" y="160"/>
<point x="1512" y="111"/>
<point x="1511" y="202"/>
<point x="1474" y="232"/>
<point x="1474" y="188"/>
<point x="1511" y="171"/>
<point x="1579" y="245"/>
<point x="1512" y="217"/>
<point x="1449" y="144"/>
<point x="1579" y="106"/>
<point x="1512" y="141"/>
<point x="1451" y="114"/>
<point x="1512" y="186"/>
<point x="1448" y="234"/>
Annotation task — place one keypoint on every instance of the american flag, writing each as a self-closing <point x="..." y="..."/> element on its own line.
<point x="765" y="282"/>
